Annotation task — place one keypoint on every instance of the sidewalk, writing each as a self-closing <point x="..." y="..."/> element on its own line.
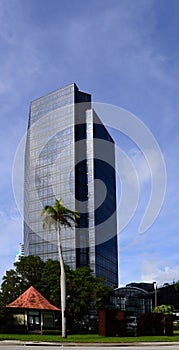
<point x="36" y="343"/>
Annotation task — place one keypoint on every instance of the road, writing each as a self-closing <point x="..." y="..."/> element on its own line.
<point x="60" y="347"/>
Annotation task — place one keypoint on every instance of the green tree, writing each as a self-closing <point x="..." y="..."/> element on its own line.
<point x="27" y="273"/>
<point x="164" y="309"/>
<point x="60" y="216"/>
<point x="10" y="288"/>
<point x="50" y="282"/>
<point x="29" y="270"/>
<point x="84" y="291"/>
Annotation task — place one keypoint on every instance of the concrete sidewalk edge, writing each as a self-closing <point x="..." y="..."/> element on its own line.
<point x="51" y="344"/>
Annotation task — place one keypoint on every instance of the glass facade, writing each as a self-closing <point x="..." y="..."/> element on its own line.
<point x="101" y="200"/>
<point x="131" y="299"/>
<point x="63" y="159"/>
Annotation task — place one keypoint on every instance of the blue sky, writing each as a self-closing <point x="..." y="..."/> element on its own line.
<point x="126" y="54"/>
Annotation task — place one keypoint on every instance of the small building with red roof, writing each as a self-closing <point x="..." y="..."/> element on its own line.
<point x="33" y="310"/>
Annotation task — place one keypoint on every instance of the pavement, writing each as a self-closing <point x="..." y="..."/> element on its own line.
<point x="66" y="344"/>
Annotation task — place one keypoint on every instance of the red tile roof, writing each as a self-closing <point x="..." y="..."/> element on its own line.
<point x="32" y="299"/>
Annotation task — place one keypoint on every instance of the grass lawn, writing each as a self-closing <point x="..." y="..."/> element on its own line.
<point x="87" y="338"/>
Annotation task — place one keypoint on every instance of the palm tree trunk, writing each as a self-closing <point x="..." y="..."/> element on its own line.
<point x="62" y="285"/>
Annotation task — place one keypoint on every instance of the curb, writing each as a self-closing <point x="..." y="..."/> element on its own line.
<point x="26" y="343"/>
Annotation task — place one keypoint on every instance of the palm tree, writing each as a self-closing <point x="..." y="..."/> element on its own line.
<point x="58" y="216"/>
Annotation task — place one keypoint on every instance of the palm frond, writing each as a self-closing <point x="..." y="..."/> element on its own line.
<point x="59" y="215"/>
<point x="65" y="222"/>
<point x="48" y="209"/>
<point x="48" y="222"/>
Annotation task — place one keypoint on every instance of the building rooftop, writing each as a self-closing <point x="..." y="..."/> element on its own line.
<point x="32" y="299"/>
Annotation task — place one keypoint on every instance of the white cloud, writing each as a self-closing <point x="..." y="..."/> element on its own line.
<point x="155" y="270"/>
<point x="141" y="166"/>
<point x="143" y="169"/>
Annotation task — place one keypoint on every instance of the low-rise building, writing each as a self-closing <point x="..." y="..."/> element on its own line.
<point x="33" y="311"/>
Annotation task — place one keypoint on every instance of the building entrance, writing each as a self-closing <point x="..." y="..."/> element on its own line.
<point x="33" y="321"/>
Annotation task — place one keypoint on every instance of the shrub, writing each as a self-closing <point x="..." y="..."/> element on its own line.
<point x="51" y="332"/>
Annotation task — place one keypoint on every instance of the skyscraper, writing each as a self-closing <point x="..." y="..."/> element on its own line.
<point x="71" y="155"/>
